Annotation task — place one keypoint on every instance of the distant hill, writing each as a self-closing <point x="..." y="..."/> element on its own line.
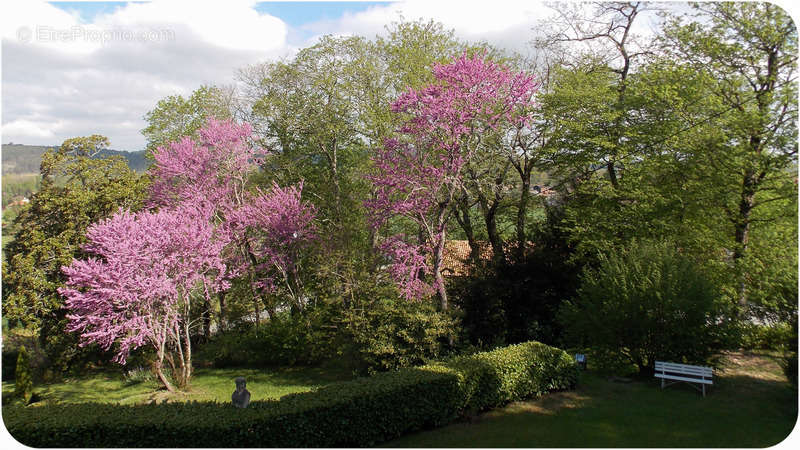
<point x="19" y="158"/>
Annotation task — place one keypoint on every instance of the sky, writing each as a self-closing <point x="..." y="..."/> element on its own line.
<point x="79" y="68"/>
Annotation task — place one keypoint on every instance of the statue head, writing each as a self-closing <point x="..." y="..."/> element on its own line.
<point x="240" y="384"/>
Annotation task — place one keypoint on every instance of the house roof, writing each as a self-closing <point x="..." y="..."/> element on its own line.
<point x="455" y="260"/>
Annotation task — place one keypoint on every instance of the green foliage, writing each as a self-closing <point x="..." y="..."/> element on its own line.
<point x="23" y="376"/>
<point x="393" y="333"/>
<point x="644" y="303"/>
<point x="490" y="379"/>
<point x="385" y="334"/>
<point x="284" y="340"/>
<point x="77" y="189"/>
<point x="765" y="337"/>
<point x="358" y="413"/>
<point x="175" y="117"/>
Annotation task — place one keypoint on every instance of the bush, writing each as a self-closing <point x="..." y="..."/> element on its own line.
<point x="645" y="303"/>
<point x="391" y="334"/>
<point x="380" y="335"/>
<point x="765" y="337"/>
<point x="357" y="413"/>
<point x="285" y="340"/>
<point x="23" y="384"/>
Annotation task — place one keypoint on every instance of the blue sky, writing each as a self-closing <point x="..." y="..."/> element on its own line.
<point x="300" y="13"/>
<point x="294" y="14"/>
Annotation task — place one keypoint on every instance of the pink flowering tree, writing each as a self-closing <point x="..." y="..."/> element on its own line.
<point x="419" y="173"/>
<point x="213" y="172"/>
<point x="138" y="287"/>
<point x="275" y="227"/>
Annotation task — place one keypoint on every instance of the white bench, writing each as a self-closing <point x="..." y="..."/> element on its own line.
<point x="684" y="372"/>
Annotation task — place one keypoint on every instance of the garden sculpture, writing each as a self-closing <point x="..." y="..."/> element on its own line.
<point x="241" y="396"/>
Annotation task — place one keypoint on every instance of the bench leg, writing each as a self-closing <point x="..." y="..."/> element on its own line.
<point x="704" y="390"/>
<point x="662" y="383"/>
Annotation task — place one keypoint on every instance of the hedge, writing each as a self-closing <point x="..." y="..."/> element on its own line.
<point x="356" y="413"/>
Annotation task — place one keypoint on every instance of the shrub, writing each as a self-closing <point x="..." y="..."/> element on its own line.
<point x="390" y="334"/>
<point x="284" y="340"/>
<point x="765" y="337"/>
<point x="23" y="384"/>
<point x="645" y="303"/>
<point x="361" y="412"/>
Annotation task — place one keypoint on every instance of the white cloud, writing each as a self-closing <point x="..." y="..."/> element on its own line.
<point x="103" y="73"/>
<point x="31" y="128"/>
<point x="63" y="77"/>
<point x="506" y="23"/>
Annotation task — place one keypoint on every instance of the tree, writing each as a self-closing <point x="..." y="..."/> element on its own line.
<point x="321" y="113"/>
<point x="276" y="227"/>
<point x="23" y="378"/>
<point x="77" y="189"/>
<point x="265" y="230"/>
<point x="138" y="286"/>
<point x="175" y="116"/>
<point x="607" y="51"/>
<point x="419" y="175"/>
<point x="749" y="51"/>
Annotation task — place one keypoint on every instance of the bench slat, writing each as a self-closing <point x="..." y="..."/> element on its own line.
<point x="707" y="373"/>
<point x="683" y="368"/>
<point x="693" y="380"/>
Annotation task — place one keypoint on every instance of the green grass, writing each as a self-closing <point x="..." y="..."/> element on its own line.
<point x="750" y="405"/>
<point x="206" y="385"/>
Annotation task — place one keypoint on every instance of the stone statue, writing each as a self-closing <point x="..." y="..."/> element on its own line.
<point x="241" y="396"/>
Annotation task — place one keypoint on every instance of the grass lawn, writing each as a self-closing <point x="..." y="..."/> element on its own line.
<point x="750" y="405"/>
<point x="207" y="385"/>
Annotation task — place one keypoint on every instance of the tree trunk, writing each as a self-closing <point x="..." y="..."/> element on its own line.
<point x="437" y="273"/>
<point x="162" y="377"/>
<point x="462" y="216"/>
<point x="222" y="312"/>
<point x="490" y="218"/>
<point x="522" y="211"/>
<point x="206" y="318"/>
<point x="742" y="230"/>
<point x="612" y="175"/>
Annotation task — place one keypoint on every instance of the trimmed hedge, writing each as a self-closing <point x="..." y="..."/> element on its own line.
<point x="356" y="413"/>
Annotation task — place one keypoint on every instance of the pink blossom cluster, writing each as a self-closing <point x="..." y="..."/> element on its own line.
<point x="408" y="263"/>
<point x="276" y="225"/>
<point x="211" y="170"/>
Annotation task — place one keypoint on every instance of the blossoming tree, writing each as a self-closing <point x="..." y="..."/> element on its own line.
<point x="137" y="288"/>
<point x="213" y="171"/>
<point x="419" y="173"/>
